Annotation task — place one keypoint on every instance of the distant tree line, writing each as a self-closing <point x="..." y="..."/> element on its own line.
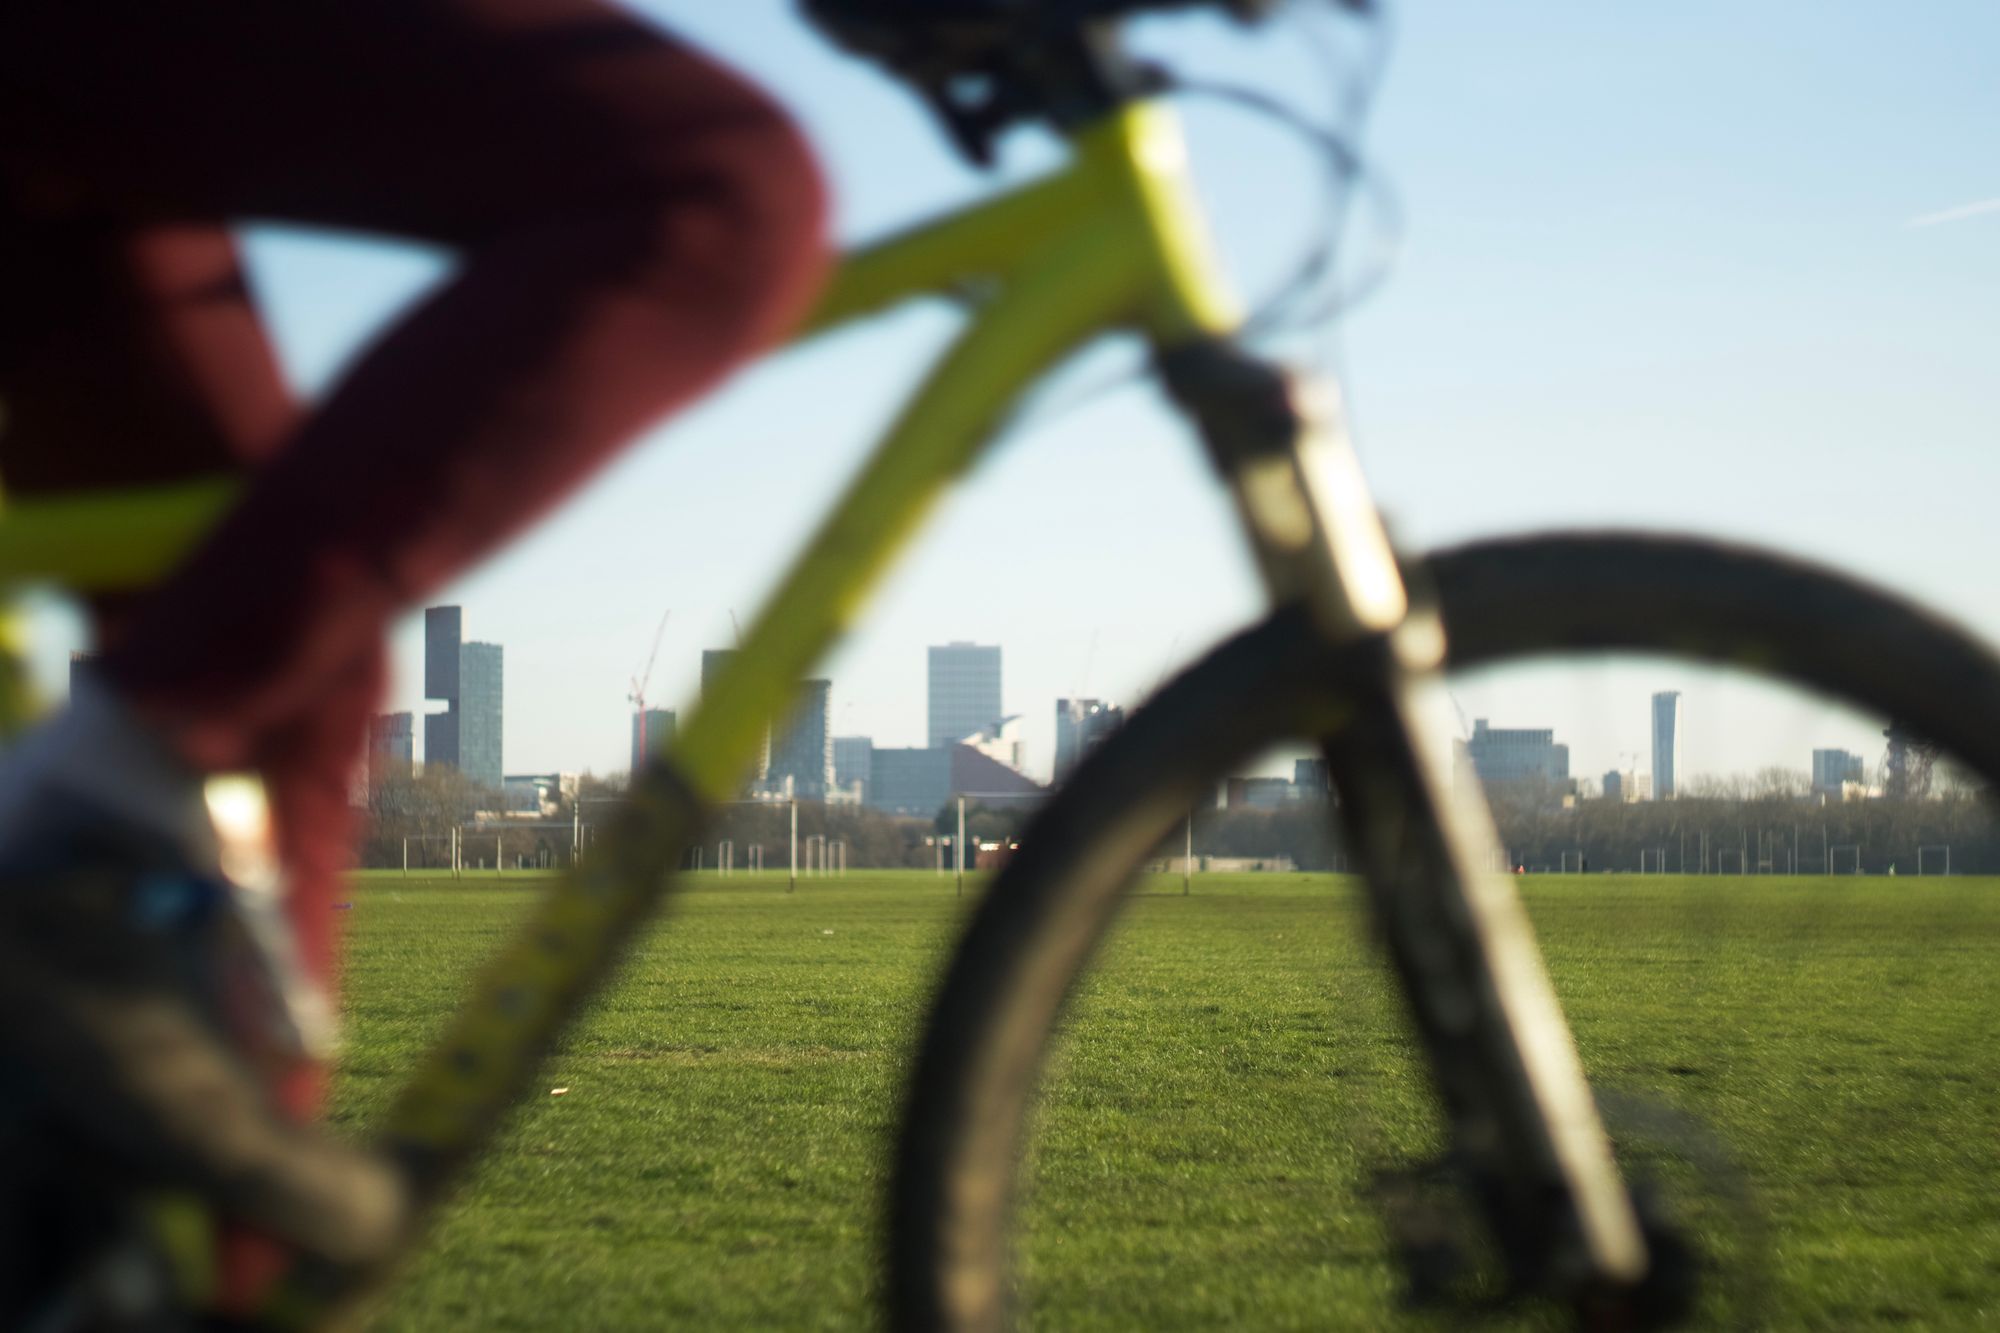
<point x="1751" y="825"/>
<point x="418" y="812"/>
<point x="421" y="810"/>
<point x="1768" y="821"/>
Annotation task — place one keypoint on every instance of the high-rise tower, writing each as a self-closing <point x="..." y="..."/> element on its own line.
<point x="964" y="691"/>
<point x="1666" y="745"/>
<point x="469" y="679"/>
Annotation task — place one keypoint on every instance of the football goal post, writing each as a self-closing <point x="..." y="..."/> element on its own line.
<point x="1652" y="860"/>
<point x="1931" y="853"/>
<point x="1572" y="862"/>
<point x="1722" y="855"/>
<point x="1852" y="862"/>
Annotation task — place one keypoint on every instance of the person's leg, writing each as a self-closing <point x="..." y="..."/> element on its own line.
<point x="634" y="222"/>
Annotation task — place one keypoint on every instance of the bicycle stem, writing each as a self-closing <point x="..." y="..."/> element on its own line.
<point x="1520" y="1112"/>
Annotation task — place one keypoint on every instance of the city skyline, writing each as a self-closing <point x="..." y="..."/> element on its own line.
<point x="1613" y="715"/>
<point x="1611" y="734"/>
<point x="1090" y="718"/>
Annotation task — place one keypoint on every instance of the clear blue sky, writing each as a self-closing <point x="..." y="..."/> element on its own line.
<point x="1661" y="268"/>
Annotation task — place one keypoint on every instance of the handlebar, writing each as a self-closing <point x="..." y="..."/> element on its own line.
<point x="985" y="65"/>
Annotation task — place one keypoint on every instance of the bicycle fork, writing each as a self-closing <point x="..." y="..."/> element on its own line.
<point x="1521" y="1116"/>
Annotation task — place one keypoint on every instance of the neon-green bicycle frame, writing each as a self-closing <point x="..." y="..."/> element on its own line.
<point x="1114" y="240"/>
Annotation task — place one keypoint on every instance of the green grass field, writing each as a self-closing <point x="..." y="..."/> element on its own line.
<point x="1235" y="1073"/>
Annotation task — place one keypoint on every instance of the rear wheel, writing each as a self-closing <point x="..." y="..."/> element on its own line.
<point x="1041" y="921"/>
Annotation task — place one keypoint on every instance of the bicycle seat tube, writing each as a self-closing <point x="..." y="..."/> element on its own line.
<point x="1521" y="1117"/>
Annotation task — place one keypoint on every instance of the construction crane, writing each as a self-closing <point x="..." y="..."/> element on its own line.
<point x="642" y="679"/>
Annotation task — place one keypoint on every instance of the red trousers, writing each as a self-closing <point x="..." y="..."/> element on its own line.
<point x="630" y="222"/>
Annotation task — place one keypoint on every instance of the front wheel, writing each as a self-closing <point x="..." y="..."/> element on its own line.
<point x="1041" y="921"/>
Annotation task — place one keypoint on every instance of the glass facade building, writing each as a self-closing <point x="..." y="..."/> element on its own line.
<point x="1666" y="744"/>
<point x="1833" y="771"/>
<point x="469" y="679"/>
<point x="964" y="691"/>
<point x="852" y="758"/>
<point x="1509" y="754"/>
<point x="481" y="688"/>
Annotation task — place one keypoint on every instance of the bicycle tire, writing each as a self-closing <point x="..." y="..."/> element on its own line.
<point x="1040" y="922"/>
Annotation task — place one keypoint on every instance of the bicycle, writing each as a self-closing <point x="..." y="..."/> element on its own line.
<point x="1113" y="240"/>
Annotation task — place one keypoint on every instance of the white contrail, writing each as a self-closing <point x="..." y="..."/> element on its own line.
<point x="1959" y="214"/>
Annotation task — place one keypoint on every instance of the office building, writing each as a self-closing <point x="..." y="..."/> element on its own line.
<point x="852" y="758"/>
<point x="652" y="732"/>
<point x="921" y="782"/>
<point x="964" y="691"/>
<point x="1666" y="745"/>
<point x="1837" y="774"/>
<point x="444" y="631"/>
<point x="481" y="689"/>
<point x="802" y="760"/>
<point x="912" y="782"/>
<point x="1081" y="724"/>
<point x="468" y="678"/>
<point x="1627" y="786"/>
<point x="1502" y="754"/>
